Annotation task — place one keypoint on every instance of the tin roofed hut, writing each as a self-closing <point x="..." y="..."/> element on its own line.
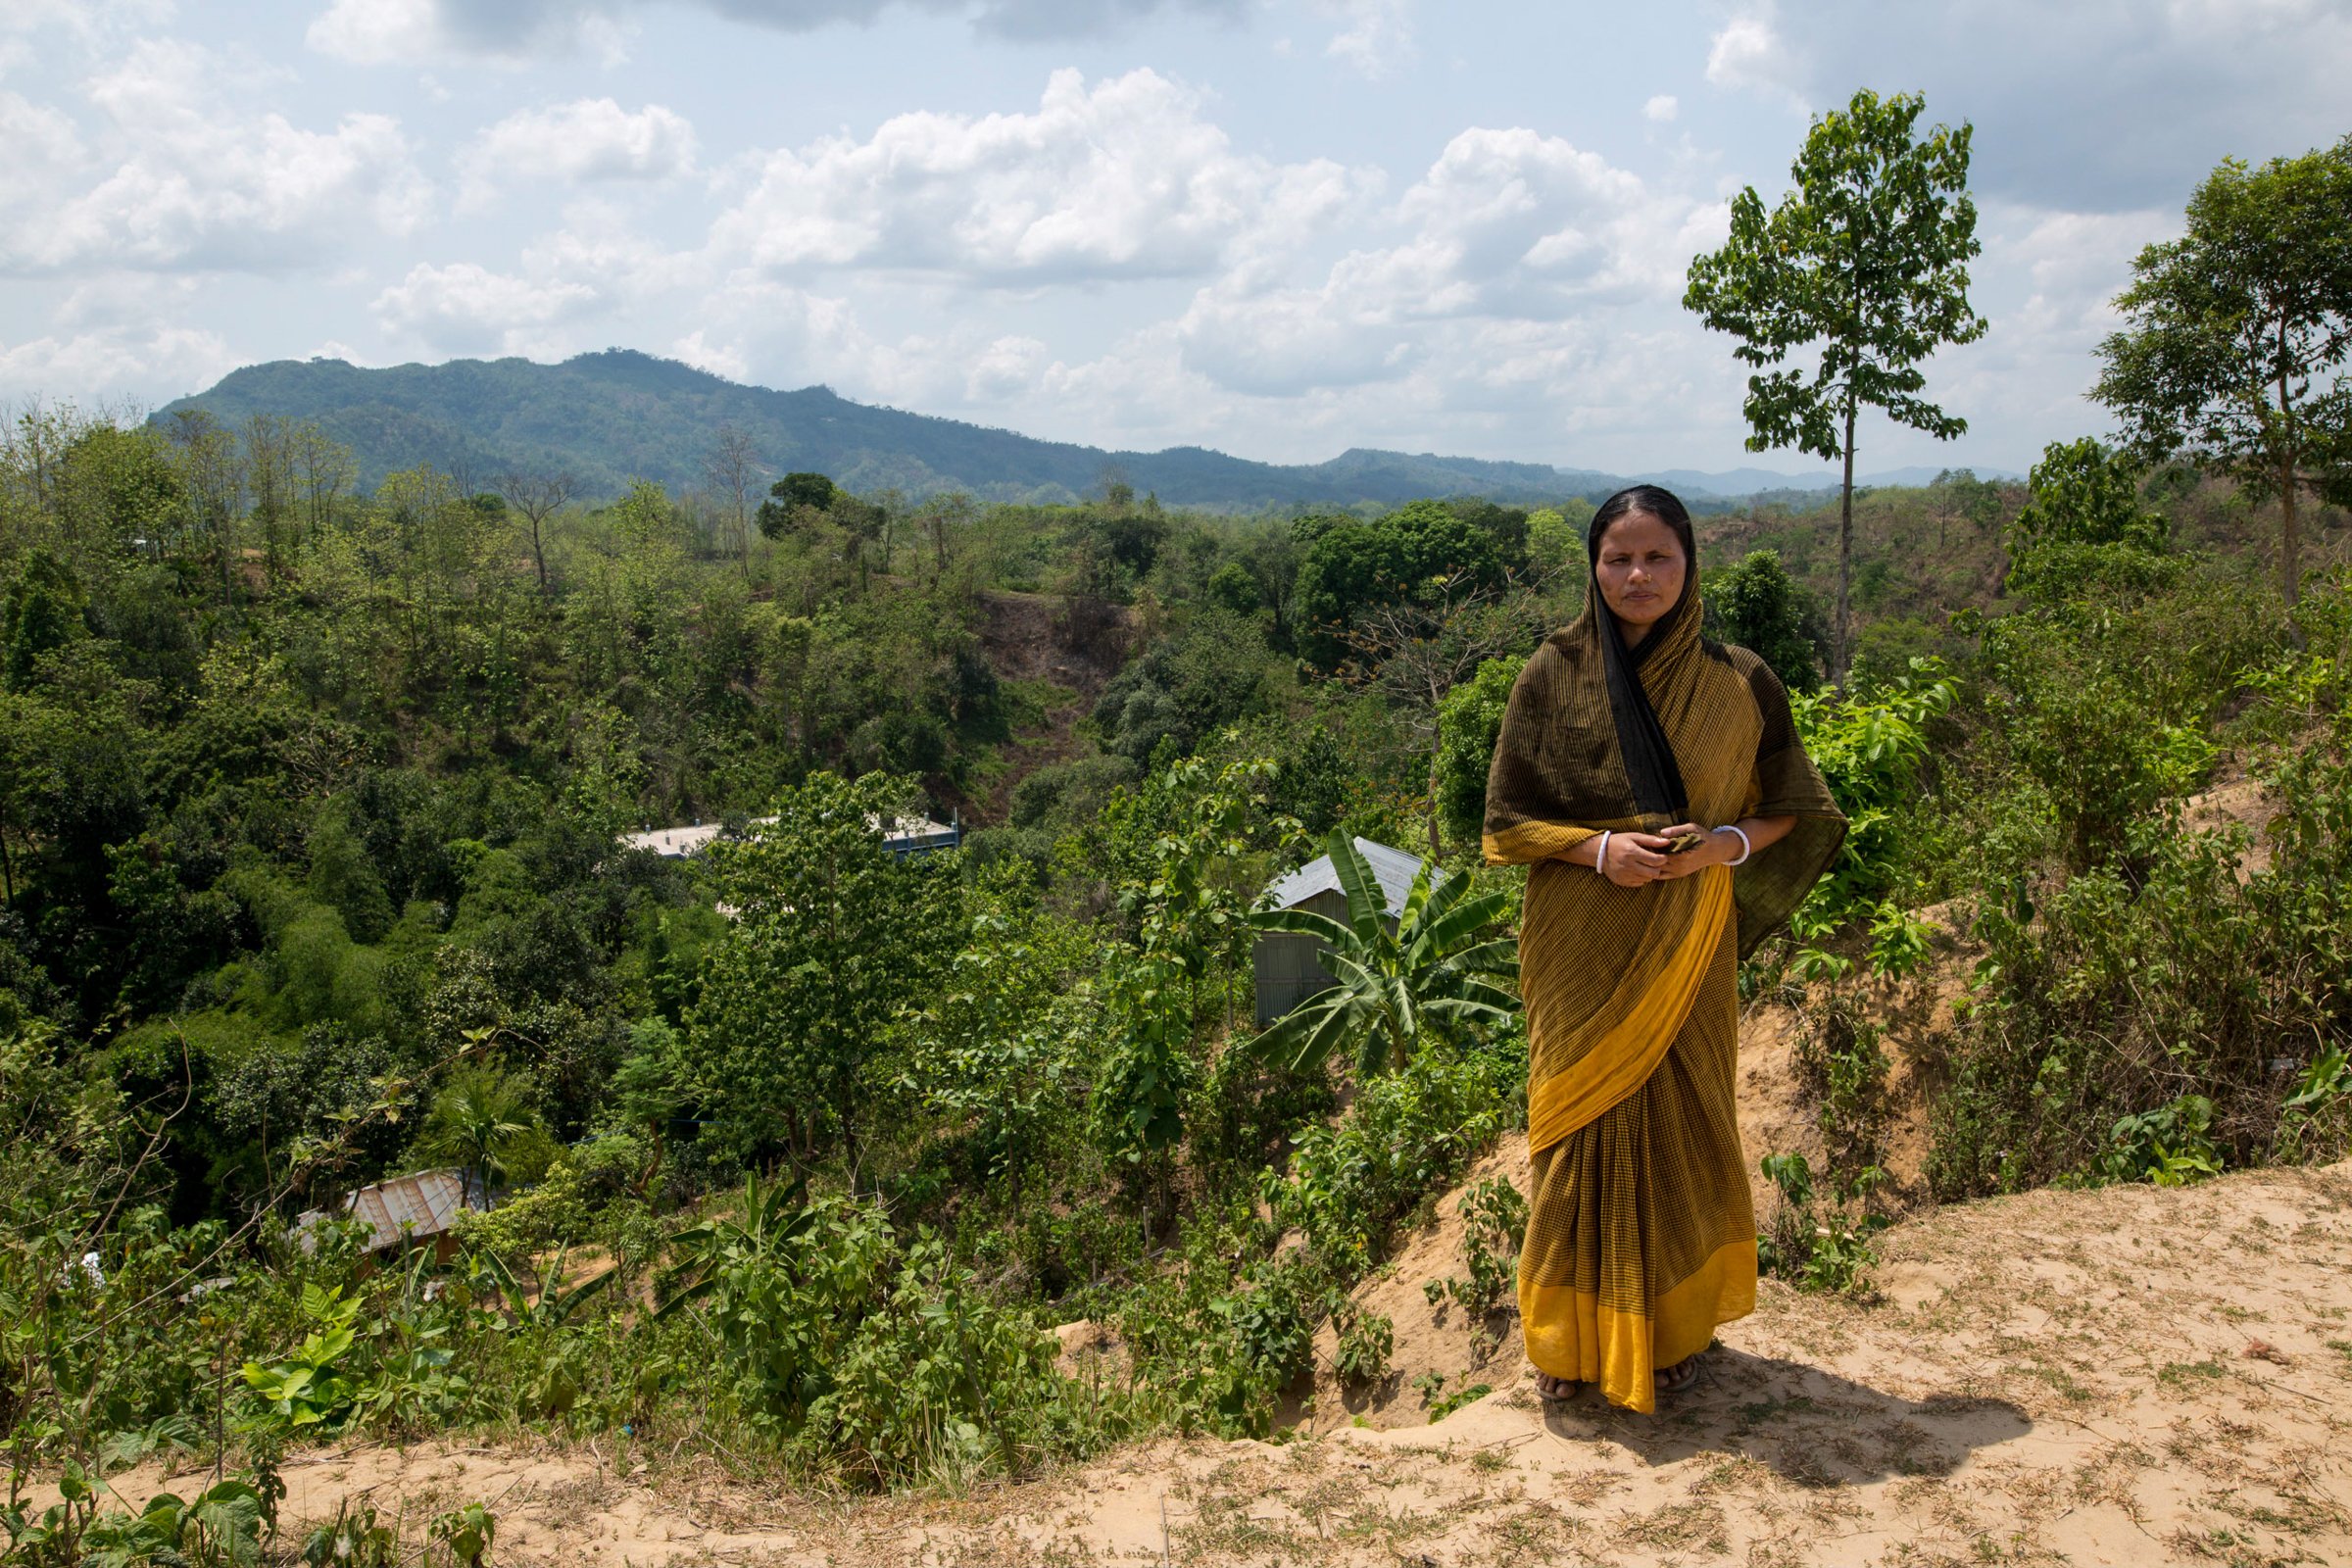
<point x="406" y="1210"/>
<point x="1289" y="967"/>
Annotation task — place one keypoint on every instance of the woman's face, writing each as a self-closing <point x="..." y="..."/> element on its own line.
<point x="1640" y="570"/>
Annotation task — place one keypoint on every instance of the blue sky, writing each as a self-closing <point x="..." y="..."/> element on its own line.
<point x="1280" y="227"/>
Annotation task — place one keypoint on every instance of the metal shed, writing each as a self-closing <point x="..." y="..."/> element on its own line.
<point x="418" y="1208"/>
<point x="1289" y="968"/>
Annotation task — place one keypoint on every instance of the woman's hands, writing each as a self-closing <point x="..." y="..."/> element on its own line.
<point x="1635" y="859"/>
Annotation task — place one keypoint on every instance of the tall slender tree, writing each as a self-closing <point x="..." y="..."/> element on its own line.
<point x="538" y="497"/>
<point x="2233" y="355"/>
<point x="732" y="468"/>
<point x="1868" y="258"/>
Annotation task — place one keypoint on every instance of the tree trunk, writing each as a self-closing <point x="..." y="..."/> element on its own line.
<point x="1846" y="554"/>
<point x="2290" y="575"/>
<point x="1437" y="850"/>
<point x="2290" y="543"/>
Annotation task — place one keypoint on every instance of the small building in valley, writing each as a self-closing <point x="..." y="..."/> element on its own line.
<point x="908" y="835"/>
<point x="1288" y="966"/>
<point x="418" y="1209"/>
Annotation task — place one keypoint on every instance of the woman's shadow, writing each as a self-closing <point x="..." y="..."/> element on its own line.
<point x="1812" y="1427"/>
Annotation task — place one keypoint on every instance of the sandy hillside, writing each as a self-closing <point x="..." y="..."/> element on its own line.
<point x="2126" y="1376"/>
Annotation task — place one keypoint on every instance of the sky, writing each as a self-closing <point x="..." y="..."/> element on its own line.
<point x="1277" y="228"/>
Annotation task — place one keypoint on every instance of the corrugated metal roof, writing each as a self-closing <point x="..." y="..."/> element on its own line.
<point x="1393" y="869"/>
<point x="424" y="1204"/>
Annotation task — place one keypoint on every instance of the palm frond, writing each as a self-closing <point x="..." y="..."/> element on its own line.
<point x="1499" y="956"/>
<point x="1462" y="1009"/>
<point x="1304" y="922"/>
<point x="1443" y="929"/>
<point x="1365" y="905"/>
<point x="1303" y="1038"/>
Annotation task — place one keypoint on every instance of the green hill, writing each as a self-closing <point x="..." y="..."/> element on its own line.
<point x="608" y="418"/>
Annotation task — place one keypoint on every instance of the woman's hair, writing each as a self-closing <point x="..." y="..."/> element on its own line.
<point x="1654" y="501"/>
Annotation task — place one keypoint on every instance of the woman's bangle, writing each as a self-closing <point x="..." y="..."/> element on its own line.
<point x="1600" y="857"/>
<point x="1747" y="848"/>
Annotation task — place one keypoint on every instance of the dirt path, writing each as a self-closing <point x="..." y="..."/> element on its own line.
<point x="2127" y="1376"/>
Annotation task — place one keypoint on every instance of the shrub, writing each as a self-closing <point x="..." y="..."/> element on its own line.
<point x="1366" y="1340"/>
<point x="1407" y="1134"/>
<point x="1494" y="1218"/>
<point x="2103" y="1005"/>
<point x="877" y="1358"/>
<point x="1817" y="1244"/>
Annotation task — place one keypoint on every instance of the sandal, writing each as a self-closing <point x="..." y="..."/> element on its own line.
<point x="1678" y="1377"/>
<point x="1561" y="1390"/>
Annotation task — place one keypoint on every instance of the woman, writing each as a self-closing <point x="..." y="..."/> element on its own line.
<point x="1653" y="781"/>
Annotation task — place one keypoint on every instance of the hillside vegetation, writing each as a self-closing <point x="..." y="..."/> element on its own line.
<point x="2027" y="1389"/>
<point x="309" y="797"/>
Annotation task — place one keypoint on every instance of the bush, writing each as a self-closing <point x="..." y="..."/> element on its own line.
<point x="2195" y="998"/>
<point x="1820" y="1245"/>
<point x="1494" y="1218"/>
<point x="1407" y="1134"/>
<point x="1469" y="720"/>
<point x="874" y="1357"/>
<point x="1366" y="1340"/>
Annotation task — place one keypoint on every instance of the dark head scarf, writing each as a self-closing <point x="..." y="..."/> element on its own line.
<point x="1585" y="689"/>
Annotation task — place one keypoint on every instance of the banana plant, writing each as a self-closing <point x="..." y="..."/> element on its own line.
<point x="1391" y="987"/>
<point x="774" y="1215"/>
<point x="553" y="1306"/>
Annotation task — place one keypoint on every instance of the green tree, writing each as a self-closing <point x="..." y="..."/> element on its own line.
<point x="1392" y="986"/>
<point x="835" y="932"/>
<point x="1352" y="566"/>
<point x="1469" y="721"/>
<point x="1867" y="257"/>
<point x="1555" y="535"/>
<point x="2084" y="526"/>
<point x="2233" y="352"/>
<point x="792" y="499"/>
<point x="1756" y="605"/>
<point x="1177" y="846"/>
<point x="479" y="1115"/>
<point x="41" y="611"/>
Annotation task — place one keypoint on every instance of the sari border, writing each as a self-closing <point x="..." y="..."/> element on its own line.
<point x="1570" y="1334"/>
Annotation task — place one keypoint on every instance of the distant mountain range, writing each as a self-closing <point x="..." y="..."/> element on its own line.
<point x="606" y="419"/>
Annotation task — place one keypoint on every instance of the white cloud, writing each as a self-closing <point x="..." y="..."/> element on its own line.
<point x="466" y="309"/>
<point x="1123" y="179"/>
<point x="719" y="359"/>
<point x="378" y="31"/>
<point x="512" y="31"/>
<point x="587" y="140"/>
<point x="145" y="362"/>
<point x="1377" y="35"/>
<point x="1750" y="53"/>
<point x="1661" y="109"/>
<point x="179" y="177"/>
<point x="1509" y="232"/>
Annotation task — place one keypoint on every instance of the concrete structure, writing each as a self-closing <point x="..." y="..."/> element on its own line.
<point x="1289" y="967"/>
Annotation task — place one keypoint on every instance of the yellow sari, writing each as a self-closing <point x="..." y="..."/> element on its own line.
<point x="1640" y="1238"/>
